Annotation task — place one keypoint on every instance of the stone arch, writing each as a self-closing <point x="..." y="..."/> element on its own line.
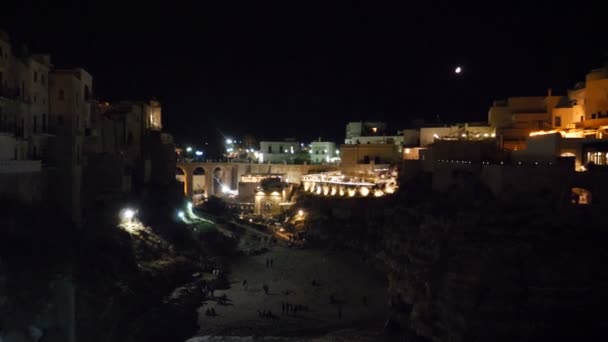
<point x="199" y="181"/>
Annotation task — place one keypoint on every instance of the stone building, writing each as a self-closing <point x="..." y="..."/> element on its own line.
<point x="60" y="147"/>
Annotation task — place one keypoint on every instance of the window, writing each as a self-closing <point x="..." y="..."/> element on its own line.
<point x="42" y="79"/>
<point x="78" y="122"/>
<point x="593" y="116"/>
<point x="580" y="196"/>
<point x="269" y="149"/>
<point x="44" y="123"/>
<point x="35" y="76"/>
<point x="34" y="152"/>
<point x="280" y="148"/>
<point x="317" y="152"/>
<point x="61" y="95"/>
<point x="35" y="124"/>
<point x="582" y="118"/>
<point x="558" y="121"/>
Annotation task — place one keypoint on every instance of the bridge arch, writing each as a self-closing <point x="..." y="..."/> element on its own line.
<point x="199" y="181"/>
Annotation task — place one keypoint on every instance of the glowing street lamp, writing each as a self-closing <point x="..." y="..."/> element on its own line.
<point x="181" y="214"/>
<point x="300" y="213"/>
<point x="228" y="141"/>
<point x="199" y="153"/>
<point x="188" y="149"/>
<point x="225" y="188"/>
<point x="127" y="215"/>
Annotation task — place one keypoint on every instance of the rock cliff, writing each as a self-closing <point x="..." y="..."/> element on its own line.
<point x="464" y="266"/>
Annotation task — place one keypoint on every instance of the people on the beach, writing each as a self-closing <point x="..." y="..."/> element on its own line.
<point x="245" y="284"/>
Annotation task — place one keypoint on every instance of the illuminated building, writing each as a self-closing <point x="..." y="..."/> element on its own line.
<point x="323" y="152"/>
<point x="578" y="126"/>
<point x="287" y="151"/>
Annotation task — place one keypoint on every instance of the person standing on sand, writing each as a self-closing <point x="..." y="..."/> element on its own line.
<point x="245" y="284"/>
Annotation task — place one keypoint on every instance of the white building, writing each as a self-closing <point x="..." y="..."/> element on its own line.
<point x="278" y="151"/>
<point x="323" y="152"/>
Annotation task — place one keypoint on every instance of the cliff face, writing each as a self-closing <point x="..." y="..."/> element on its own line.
<point x="463" y="266"/>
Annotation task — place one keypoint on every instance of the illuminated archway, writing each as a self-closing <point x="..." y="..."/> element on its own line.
<point x="198" y="181"/>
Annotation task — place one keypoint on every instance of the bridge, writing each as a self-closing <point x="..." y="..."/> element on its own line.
<point x="211" y="178"/>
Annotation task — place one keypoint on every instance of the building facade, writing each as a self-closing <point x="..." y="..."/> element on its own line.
<point x="279" y="151"/>
<point x="323" y="152"/>
<point x="56" y="137"/>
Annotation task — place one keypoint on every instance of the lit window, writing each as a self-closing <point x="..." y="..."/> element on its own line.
<point x="558" y="121"/>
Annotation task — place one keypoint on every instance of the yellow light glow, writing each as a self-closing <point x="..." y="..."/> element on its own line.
<point x="300" y="212"/>
<point x="364" y="191"/>
<point x="352" y="192"/>
<point x="378" y="193"/>
<point x="333" y="191"/>
<point x="325" y="190"/>
<point x="407" y="150"/>
<point x="374" y="129"/>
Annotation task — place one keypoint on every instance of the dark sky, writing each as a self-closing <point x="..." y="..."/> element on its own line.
<point x="302" y="70"/>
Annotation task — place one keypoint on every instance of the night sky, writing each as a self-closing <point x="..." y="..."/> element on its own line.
<point x="303" y="71"/>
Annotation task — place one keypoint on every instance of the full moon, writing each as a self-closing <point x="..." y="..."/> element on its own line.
<point x="458" y="70"/>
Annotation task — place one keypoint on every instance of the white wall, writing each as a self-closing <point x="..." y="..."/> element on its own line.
<point x="321" y="151"/>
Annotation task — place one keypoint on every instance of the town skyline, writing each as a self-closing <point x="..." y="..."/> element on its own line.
<point x="233" y="67"/>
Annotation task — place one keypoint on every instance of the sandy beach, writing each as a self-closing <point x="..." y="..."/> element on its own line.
<point x="289" y="280"/>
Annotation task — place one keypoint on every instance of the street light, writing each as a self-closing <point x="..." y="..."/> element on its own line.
<point x="127" y="215"/>
<point x="188" y="149"/>
<point x="228" y="141"/>
<point x="199" y="153"/>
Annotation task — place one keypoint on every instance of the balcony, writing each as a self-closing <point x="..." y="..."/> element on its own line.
<point x="20" y="166"/>
<point x="10" y="93"/>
